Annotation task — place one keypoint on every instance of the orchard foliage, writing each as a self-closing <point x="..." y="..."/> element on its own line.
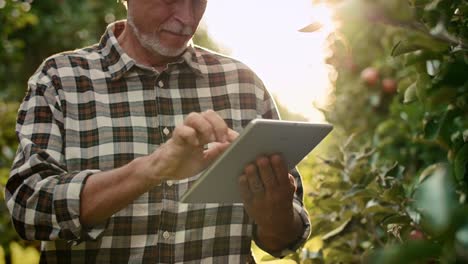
<point x="33" y="30"/>
<point x="7" y="147"/>
<point x="394" y="187"/>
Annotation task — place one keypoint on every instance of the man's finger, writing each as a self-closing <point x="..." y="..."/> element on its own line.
<point x="185" y="135"/>
<point x="266" y="173"/>
<point x="202" y="126"/>
<point x="218" y="125"/>
<point x="293" y="182"/>
<point x="244" y="189"/>
<point x="215" y="150"/>
<point x="255" y="183"/>
<point x="280" y="168"/>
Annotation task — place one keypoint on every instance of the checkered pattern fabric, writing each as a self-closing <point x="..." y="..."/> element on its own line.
<point x="96" y="109"/>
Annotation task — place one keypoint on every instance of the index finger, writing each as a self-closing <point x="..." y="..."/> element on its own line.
<point x="218" y="125"/>
<point x="202" y="126"/>
<point x="232" y="135"/>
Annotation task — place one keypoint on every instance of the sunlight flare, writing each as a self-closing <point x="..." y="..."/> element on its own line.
<point x="267" y="38"/>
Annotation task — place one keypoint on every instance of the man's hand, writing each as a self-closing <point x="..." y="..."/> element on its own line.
<point x="180" y="157"/>
<point x="268" y="191"/>
<point x="184" y="155"/>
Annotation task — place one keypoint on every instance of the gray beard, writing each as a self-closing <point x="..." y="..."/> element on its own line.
<point x="153" y="43"/>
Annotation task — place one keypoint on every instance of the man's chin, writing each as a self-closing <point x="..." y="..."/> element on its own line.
<point x="164" y="50"/>
<point x="156" y="46"/>
<point x="173" y="49"/>
<point x="171" y="52"/>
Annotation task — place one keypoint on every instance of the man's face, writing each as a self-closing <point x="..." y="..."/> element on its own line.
<point x="165" y="26"/>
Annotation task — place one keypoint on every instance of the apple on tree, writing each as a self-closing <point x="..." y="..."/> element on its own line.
<point x="370" y="76"/>
<point x="389" y="85"/>
<point x="416" y="235"/>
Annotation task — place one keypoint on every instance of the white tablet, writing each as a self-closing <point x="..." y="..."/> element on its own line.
<point x="219" y="182"/>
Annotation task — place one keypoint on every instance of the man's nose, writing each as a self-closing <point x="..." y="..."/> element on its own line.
<point x="184" y="12"/>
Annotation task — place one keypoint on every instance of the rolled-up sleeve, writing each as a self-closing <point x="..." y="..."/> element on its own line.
<point x="42" y="196"/>
<point x="299" y="207"/>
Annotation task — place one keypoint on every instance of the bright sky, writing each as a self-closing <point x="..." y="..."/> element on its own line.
<point x="264" y="35"/>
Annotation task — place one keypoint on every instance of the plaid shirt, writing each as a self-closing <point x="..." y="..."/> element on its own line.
<point x="96" y="109"/>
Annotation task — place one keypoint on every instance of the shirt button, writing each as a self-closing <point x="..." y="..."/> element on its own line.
<point x="166" y="235"/>
<point x="169" y="183"/>
<point x="166" y="131"/>
<point x="161" y="84"/>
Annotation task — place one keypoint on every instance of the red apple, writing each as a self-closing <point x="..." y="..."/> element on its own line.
<point x="416" y="235"/>
<point x="389" y="85"/>
<point x="370" y="76"/>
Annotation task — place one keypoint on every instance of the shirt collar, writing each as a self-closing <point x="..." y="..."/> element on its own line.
<point x="119" y="62"/>
<point x="192" y="56"/>
<point x="115" y="59"/>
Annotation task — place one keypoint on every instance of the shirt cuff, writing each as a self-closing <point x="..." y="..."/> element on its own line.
<point x="67" y="208"/>
<point x="295" y="245"/>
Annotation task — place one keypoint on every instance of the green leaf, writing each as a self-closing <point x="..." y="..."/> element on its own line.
<point x="428" y="172"/>
<point x="335" y="185"/>
<point x="453" y="73"/>
<point x="408" y="252"/>
<point x="320" y="224"/>
<point x="368" y="177"/>
<point x="456" y="137"/>
<point x="419" y="56"/>
<point x="402" y="48"/>
<point x="426" y="42"/>
<point x="339" y="255"/>
<point x="422" y="84"/>
<point x="461" y="163"/>
<point x="432" y="5"/>
<point x="359" y="192"/>
<point x="434" y="127"/>
<point x="414" y="215"/>
<point x="436" y="198"/>
<point x="394" y="194"/>
<point x="392" y="171"/>
<point x="337" y="230"/>
<point x="311" y="257"/>
<point x="419" y="2"/>
<point x="334" y="163"/>
<point x="461" y="236"/>
<point x="378" y="209"/>
<point x="329" y="204"/>
<point x="394" y="10"/>
<point x="410" y="94"/>
<point x="395" y="219"/>
<point x="418" y="47"/>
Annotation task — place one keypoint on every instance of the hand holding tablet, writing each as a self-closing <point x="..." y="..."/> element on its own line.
<point x="293" y="140"/>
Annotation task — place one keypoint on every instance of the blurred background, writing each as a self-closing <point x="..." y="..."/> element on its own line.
<point x="389" y="184"/>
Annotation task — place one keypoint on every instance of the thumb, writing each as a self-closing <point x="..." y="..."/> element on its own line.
<point x="214" y="151"/>
<point x="293" y="182"/>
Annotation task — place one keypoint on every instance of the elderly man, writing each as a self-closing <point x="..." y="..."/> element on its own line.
<point x="111" y="136"/>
